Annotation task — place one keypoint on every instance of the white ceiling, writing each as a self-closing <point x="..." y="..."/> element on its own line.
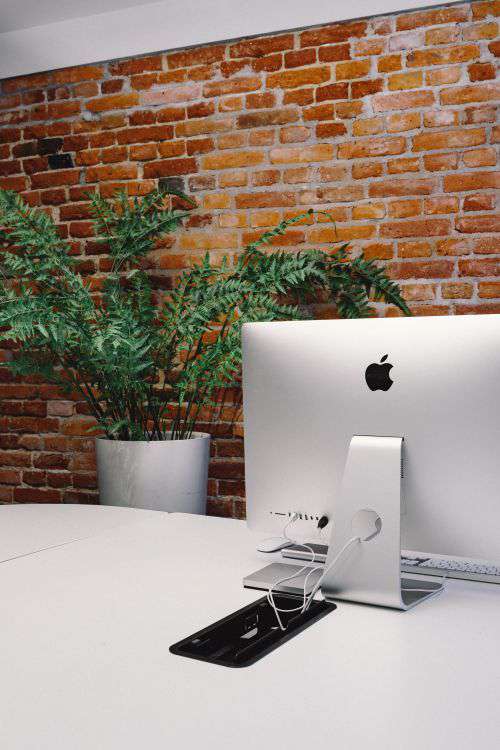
<point x="39" y="35"/>
<point x="24" y="14"/>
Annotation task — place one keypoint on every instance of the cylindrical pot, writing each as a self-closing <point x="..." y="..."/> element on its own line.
<point x="169" y="475"/>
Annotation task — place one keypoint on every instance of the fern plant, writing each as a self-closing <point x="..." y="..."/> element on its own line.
<point x="151" y="368"/>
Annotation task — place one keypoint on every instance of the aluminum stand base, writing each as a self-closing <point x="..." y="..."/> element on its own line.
<point x="369" y="570"/>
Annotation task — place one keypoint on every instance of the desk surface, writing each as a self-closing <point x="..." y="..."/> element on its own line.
<point x="25" y="529"/>
<point x="85" y="664"/>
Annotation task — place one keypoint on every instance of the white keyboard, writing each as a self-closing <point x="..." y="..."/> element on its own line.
<point x="432" y="566"/>
<point x="467" y="569"/>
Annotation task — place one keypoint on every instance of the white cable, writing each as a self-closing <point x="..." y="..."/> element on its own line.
<point x="270" y="595"/>
<point x="306" y="599"/>
<point x="333" y="563"/>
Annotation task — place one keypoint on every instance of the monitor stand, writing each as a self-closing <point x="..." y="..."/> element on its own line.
<point x="369" y="506"/>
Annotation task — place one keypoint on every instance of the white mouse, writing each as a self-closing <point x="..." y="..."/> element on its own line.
<point x="273" y="544"/>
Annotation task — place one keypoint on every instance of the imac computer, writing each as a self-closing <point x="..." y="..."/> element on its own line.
<point x="312" y="388"/>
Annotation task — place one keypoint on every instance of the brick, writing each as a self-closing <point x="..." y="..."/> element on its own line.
<point x="334" y="53"/>
<point x="236" y="86"/>
<point x="443" y="76"/>
<point x="479" y="114"/>
<point x="473" y="224"/>
<point x="332" y="91"/>
<point x="261" y="101"/>
<point x="369" y="126"/>
<point x="409" y="80"/>
<point x="404" y="209"/>
<point x="113" y="154"/>
<point x="481" y="31"/>
<point x="467" y="94"/>
<point x="267" y="118"/>
<point x="36" y="495"/>
<point x="261" y="137"/>
<point x="404" y="100"/>
<point x="112" y="172"/>
<point x="262" y="46"/>
<point x="209" y="241"/>
<point x="348" y="110"/>
<point x="368" y="211"/>
<point x="339" y="32"/>
<point x="365" y="47"/>
<point x="363" y="170"/>
<point x="225" y="141"/>
<point x="54" y="179"/>
<point x="402" y="187"/>
<point x="300" y="57"/>
<point x="170" y="167"/>
<point x="198" y="56"/>
<point x="378" y="251"/>
<point x="173" y="95"/>
<point x="442" y="35"/>
<point x="440" y="162"/>
<point x="488" y="289"/>
<point x="290" y="154"/>
<point x="113" y="86"/>
<point x="401" y="122"/>
<point x="482" y="71"/>
<point x="414" y="249"/>
<point x="448" y="139"/>
<point x="229" y="160"/>
<point x="455" y="14"/>
<point x="352" y="69"/>
<point x="406" y="40"/>
<point x="360" y="89"/>
<point x="319" y="112"/>
<point x="400" y="166"/>
<point x="475" y="267"/>
<point x="231" y="104"/>
<point x="480" y="157"/>
<point x="389" y="63"/>
<point x="299" y="96"/>
<point x="418" y="292"/>
<point x="476" y="202"/>
<point x="456" y="290"/>
<point x="417" y="228"/>
<point x="10" y="135"/>
<point x="294" y="134"/>
<point x="421" y="269"/>
<point x="236" y="178"/>
<point x="471" y="181"/>
<point x="264" y="200"/>
<point x="452" y="247"/>
<point x="341" y="233"/>
<point x="371" y="147"/>
<point x="440" y="118"/>
<point x="292" y="79"/>
<point x="203" y="127"/>
<point x="145" y="134"/>
<point x="494" y="48"/>
<point x="113" y="101"/>
<point x="441" y="205"/>
<point x="485" y="9"/>
<point x="443" y="55"/>
<point x="13" y="183"/>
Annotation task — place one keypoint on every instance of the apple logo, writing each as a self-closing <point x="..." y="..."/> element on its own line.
<point x="377" y="375"/>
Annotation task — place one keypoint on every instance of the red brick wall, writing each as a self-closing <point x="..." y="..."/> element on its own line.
<point x="388" y="123"/>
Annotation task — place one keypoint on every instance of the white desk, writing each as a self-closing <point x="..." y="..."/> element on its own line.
<point x="29" y="528"/>
<point x="84" y="658"/>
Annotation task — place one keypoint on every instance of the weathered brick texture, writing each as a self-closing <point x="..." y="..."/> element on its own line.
<point x="389" y="123"/>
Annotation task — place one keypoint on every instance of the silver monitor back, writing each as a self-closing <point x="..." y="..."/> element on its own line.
<point x="306" y="395"/>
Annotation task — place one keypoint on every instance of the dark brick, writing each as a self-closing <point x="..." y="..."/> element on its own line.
<point x="49" y="145"/>
<point x="61" y="161"/>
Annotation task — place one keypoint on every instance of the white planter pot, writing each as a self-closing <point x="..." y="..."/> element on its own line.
<point x="169" y="475"/>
